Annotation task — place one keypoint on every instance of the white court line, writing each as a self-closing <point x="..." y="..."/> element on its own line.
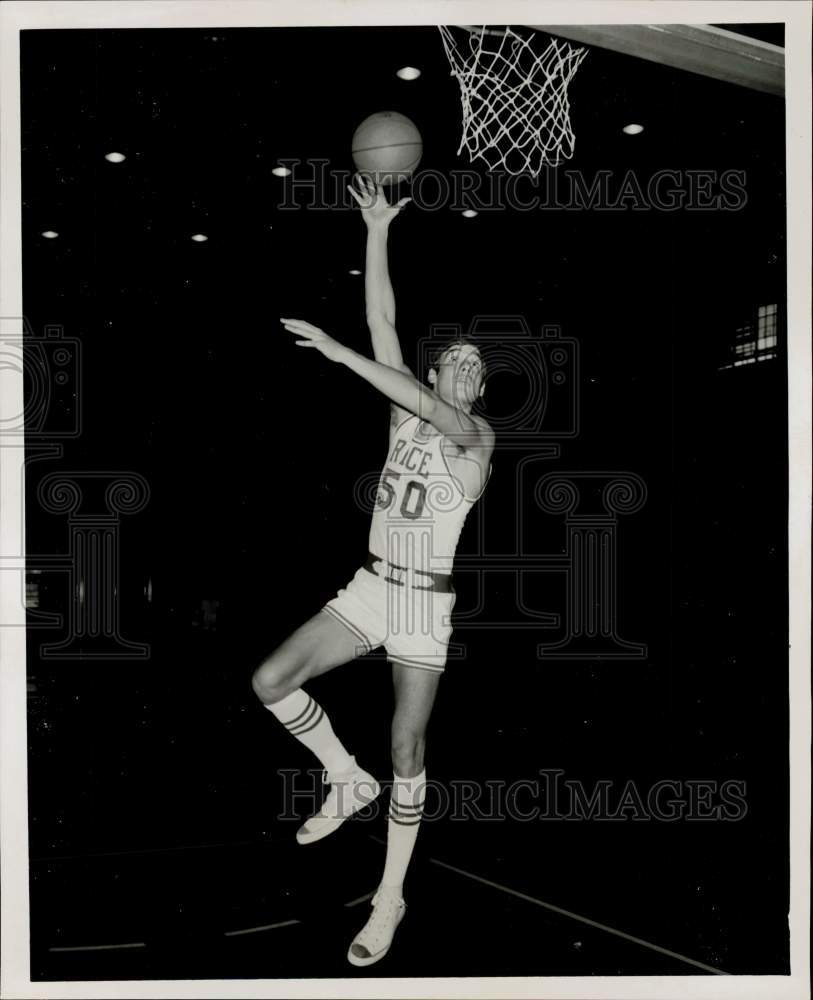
<point x="361" y="899"/>
<point x="262" y="927"/>
<point x="568" y="913"/>
<point x="289" y="923"/>
<point x="238" y="933"/>
<point x="576" y="916"/>
<point x="99" y="947"/>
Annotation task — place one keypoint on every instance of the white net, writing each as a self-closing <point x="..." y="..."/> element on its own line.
<point x="516" y="113"/>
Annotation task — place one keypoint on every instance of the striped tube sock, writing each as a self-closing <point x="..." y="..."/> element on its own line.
<point x="307" y="720"/>
<point x="406" y="809"/>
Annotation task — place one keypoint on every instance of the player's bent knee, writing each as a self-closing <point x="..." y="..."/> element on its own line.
<point x="407" y="753"/>
<point x="274" y="680"/>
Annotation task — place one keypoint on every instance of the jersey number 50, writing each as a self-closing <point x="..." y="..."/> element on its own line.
<point x="413" y="500"/>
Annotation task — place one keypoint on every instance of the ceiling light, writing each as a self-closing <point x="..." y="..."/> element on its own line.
<point x="200" y="238"/>
<point x="632" y="129"/>
<point x="469" y="213"/>
<point x="281" y="172"/>
<point x="354" y="271"/>
<point x="115" y="157"/>
<point x="408" y="73"/>
<point x="49" y="234"/>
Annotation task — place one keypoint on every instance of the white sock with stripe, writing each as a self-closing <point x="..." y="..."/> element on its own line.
<point x="406" y="810"/>
<point x="307" y="720"/>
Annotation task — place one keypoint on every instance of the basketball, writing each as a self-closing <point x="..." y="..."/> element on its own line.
<point x="387" y="146"/>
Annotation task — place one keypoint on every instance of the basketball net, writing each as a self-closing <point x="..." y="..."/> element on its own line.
<point x="516" y="114"/>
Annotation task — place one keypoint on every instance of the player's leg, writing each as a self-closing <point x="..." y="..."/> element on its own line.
<point x="315" y="647"/>
<point x="319" y="645"/>
<point x="415" y="691"/>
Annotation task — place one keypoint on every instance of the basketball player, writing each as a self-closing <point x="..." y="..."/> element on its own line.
<point x="437" y="467"/>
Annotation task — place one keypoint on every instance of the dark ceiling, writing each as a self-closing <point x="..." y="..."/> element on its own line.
<point x="172" y="328"/>
<point x="203" y="116"/>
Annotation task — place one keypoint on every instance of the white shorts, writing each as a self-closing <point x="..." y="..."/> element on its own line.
<point x="413" y="625"/>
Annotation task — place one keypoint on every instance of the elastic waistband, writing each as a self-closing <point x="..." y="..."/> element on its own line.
<point x="405" y="576"/>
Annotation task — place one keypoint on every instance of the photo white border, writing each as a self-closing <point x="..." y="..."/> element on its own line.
<point x="16" y="16"/>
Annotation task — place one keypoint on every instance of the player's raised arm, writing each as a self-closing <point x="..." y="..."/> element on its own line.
<point x="401" y="387"/>
<point x="380" y="300"/>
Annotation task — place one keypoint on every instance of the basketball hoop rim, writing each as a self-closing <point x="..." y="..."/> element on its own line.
<point x="474" y="29"/>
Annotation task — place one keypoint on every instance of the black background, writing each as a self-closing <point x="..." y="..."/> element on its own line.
<point x="252" y="449"/>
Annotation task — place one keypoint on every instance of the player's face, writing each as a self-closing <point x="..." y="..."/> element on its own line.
<point x="460" y="375"/>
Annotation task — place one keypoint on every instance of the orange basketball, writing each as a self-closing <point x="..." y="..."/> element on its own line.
<point x="387" y="146"/>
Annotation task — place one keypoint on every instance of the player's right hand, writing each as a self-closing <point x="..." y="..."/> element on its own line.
<point x="313" y="336"/>
<point x="375" y="209"/>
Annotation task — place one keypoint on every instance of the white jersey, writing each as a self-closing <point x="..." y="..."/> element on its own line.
<point x="420" y="506"/>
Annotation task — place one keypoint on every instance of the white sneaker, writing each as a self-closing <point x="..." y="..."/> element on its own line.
<point x="373" y="942"/>
<point x="349" y="791"/>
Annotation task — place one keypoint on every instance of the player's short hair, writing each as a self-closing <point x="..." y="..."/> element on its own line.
<point x="438" y="352"/>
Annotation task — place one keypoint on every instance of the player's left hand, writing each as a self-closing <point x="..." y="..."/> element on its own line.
<point x="375" y="208"/>
<point x="312" y="336"/>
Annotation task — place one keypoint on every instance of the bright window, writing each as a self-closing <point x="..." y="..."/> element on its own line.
<point x="755" y="340"/>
